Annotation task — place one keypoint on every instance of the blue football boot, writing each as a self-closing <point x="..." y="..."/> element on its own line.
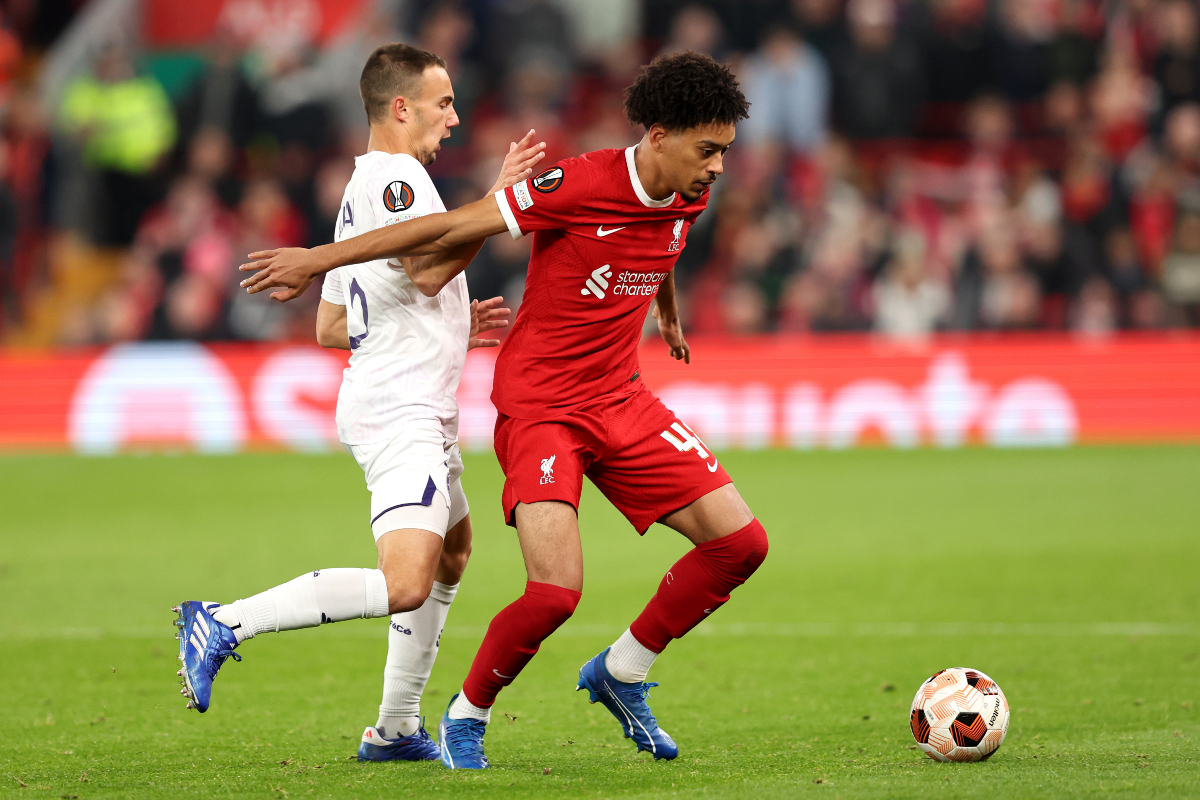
<point x="420" y="746"/>
<point x="204" y="644"/>
<point x="627" y="702"/>
<point x="462" y="741"/>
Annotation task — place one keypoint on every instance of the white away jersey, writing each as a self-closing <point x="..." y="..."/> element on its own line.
<point x="407" y="349"/>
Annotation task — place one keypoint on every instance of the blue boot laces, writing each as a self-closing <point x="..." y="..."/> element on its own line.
<point x="214" y="660"/>
<point x="466" y="736"/>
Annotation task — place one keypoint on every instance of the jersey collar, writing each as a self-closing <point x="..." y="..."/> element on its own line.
<point x="637" y="184"/>
<point x="385" y="154"/>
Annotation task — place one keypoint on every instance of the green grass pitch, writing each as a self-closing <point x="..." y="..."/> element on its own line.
<point x="1070" y="576"/>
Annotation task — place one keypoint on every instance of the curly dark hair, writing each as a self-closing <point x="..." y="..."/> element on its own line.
<point x="685" y="90"/>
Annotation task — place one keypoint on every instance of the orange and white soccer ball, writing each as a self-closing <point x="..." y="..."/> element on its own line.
<point x="959" y="715"/>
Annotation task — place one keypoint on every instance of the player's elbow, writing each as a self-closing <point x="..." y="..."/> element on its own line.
<point x="330" y="336"/>
<point x="324" y="339"/>
<point x="428" y="284"/>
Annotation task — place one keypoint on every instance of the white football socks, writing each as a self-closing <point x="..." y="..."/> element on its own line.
<point x="462" y="708"/>
<point x="412" y="648"/>
<point x="327" y="595"/>
<point x="628" y="659"/>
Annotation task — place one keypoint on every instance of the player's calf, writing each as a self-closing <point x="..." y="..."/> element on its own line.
<point x="413" y="640"/>
<point x="209" y="632"/>
<point x="456" y="552"/>
<point x="512" y="639"/>
<point x="514" y="636"/>
<point x="698" y="584"/>
<point x="315" y="598"/>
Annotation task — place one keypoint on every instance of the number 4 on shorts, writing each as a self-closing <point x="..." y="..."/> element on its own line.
<point x="690" y="440"/>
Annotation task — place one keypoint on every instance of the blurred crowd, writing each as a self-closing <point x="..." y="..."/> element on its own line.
<point x="909" y="166"/>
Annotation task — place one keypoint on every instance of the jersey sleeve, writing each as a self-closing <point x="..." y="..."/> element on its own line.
<point x="547" y="201"/>
<point x="331" y="289"/>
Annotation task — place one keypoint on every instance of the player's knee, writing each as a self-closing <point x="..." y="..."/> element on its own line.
<point x="568" y="606"/>
<point x="406" y="598"/>
<point x="405" y="594"/>
<point x="755" y="548"/>
<point x="554" y="604"/>
<point x="739" y="554"/>
<point x="560" y="608"/>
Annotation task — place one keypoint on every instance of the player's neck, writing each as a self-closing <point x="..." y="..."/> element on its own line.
<point x="390" y="139"/>
<point x="649" y="175"/>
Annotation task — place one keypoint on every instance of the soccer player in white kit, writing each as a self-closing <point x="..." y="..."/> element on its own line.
<point x="396" y="414"/>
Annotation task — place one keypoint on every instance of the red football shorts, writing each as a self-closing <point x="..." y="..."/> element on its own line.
<point x="643" y="458"/>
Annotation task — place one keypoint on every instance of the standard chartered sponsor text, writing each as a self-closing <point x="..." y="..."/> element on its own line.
<point x="639" y="283"/>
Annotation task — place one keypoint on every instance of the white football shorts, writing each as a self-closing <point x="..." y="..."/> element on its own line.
<point x="415" y="482"/>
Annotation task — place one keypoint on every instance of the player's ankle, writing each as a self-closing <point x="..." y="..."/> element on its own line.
<point x="228" y="616"/>
<point x="398" y="727"/>
<point x="628" y="660"/>
<point x="462" y="708"/>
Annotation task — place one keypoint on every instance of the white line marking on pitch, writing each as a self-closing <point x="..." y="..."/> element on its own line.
<point x="707" y="628"/>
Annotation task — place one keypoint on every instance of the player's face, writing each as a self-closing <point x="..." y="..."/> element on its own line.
<point x="696" y="156"/>
<point x="434" y="114"/>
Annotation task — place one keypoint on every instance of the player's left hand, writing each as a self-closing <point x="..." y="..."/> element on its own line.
<point x="518" y="164"/>
<point x="672" y="332"/>
<point x="486" y="316"/>
<point x="292" y="269"/>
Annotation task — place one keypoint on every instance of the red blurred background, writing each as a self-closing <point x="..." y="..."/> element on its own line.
<point x="1021" y="390"/>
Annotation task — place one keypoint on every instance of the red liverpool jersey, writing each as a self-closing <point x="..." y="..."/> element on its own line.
<point x="601" y="247"/>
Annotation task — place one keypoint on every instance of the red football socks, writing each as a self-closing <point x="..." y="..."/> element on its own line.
<point x="514" y="636"/>
<point x="699" y="584"/>
<point x="696" y="586"/>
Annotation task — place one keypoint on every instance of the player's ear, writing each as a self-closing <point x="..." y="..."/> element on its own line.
<point x="400" y="108"/>
<point x="655" y="135"/>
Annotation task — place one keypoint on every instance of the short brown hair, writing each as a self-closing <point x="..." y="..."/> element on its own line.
<point x="393" y="70"/>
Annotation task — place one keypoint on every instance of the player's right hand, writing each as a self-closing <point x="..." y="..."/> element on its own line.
<point x="671" y="330"/>
<point x="292" y="268"/>
<point x="519" y="162"/>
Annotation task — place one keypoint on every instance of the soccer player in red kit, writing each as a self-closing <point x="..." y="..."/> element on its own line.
<point x="608" y="227"/>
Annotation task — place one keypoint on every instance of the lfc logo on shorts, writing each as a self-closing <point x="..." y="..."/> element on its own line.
<point x="548" y="470"/>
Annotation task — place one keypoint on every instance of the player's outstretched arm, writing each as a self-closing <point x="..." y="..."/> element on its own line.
<point x="293" y="269"/>
<point x="428" y="272"/>
<point x="666" y="311"/>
